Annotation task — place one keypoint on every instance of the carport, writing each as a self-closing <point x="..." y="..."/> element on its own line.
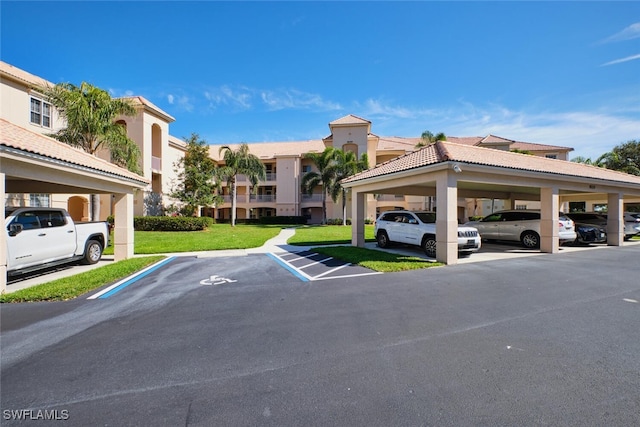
<point x="34" y="163"/>
<point x="451" y="171"/>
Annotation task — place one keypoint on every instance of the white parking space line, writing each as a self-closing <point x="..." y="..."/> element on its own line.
<point x="297" y="271"/>
<point x="315" y="263"/>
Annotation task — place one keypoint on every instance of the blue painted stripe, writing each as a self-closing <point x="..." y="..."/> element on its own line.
<point x="288" y="267"/>
<point x="137" y="277"/>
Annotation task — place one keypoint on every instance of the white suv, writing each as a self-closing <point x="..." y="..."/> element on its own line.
<point x="521" y="226"/>
<point x="419" y="229"/>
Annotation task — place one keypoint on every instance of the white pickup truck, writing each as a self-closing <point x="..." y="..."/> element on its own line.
<point x="38" y="238"/>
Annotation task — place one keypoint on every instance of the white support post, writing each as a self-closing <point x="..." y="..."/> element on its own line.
<point x="615" y="219"/>
<point x="123" y="231"/>
<point x="447" y="218"/>
<point x="357" y="220"/>
<point x="3" y="241"/>
<point x="549" y="219"/>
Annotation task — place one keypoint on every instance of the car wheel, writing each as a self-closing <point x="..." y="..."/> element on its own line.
<point x="92" y="252"/>
<point x="530" y="239"/>
<point x="383" y="239"/>
<point x="429" y="246"/>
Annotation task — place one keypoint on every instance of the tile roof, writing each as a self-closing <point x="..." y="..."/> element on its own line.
<point x="141" y="100"/>
<point x="22" y="139"/>
<point x="270" y="150"/>
<point x="349" y="120"/>
<point x="23" y="76"/>
<point x="444" y="151"/>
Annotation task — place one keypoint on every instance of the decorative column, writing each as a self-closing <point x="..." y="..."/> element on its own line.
<point x="123" y="231"/>
<point x="3" y="242"/>
<point x="357" y="220"/>
<point x="615" y="219"/>
<point x="447" y="218"/>
<point x="549" y="219"/>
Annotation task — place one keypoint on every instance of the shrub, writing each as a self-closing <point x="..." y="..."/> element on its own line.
<point x="168" y="223"/>
<point x="283" y="220"/>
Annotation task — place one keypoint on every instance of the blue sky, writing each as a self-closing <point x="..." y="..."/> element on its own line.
<point x="559" y="73"/>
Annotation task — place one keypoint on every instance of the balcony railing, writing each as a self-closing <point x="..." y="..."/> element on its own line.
<point x="312" y="197"/>
<point x="240" y="198"/>
<point x="262" y="198"/>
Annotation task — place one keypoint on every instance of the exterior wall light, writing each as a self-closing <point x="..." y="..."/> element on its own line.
<point x="457" y="168"/>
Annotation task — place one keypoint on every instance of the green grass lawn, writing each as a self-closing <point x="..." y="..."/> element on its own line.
<point x="74" y="286"/>
<point x="309" y="235"/>
<point x="376" y="260"/>
<point x="217" y="237"/>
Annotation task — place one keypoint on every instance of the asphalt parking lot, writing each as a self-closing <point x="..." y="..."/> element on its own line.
<point x="531" y="340"/>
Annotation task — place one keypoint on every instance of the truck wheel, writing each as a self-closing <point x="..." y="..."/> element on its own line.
<point x="429" y="246"/>
<point x="383" y="239"/>
<point x="92" y="252"/>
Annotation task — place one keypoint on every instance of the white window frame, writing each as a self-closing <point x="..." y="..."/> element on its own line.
<point x="40" y="200"/>
<point x="43" y="112"/>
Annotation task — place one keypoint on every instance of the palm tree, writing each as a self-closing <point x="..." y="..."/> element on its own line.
<point x="240" y="161"/>
<point x="325" y="176"/>
<point x="90" y="113"/>
<point x="428" y="138"/>
<point x="345" y="163"/>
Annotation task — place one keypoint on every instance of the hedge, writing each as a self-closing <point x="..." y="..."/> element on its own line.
<point x="169" y="223"/>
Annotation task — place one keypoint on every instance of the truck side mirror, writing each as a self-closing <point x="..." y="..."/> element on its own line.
<point x="15" y="229"/>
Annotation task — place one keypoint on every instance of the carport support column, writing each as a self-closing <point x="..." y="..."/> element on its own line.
<point x="615" y="220"/>
<point x="123" y="232"/>
<point x="549" y="219"/>
<point x="447" y="218"/>
<point x="3" y="242"/>
<point x="357" y="219"/>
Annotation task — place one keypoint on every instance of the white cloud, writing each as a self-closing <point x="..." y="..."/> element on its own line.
<point x="225" y="95"/>
<point x="618" y="61"/>
<point x="293" y="99"/>
<point x="629" y="33"/>
<point x="170" y="99"/>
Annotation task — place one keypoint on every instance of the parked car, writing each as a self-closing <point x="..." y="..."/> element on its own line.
<point x="419" y="229"/>
<point x="589" y="233"/>
<point x="521" y="226"/>
<point x="631" y="221"/>
<point x="38" y="238"/>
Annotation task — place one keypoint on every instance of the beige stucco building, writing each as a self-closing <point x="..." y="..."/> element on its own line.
<point x="22" y="105"/>
<point x="281" y="194"/>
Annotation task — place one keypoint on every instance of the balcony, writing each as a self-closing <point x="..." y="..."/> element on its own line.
<point x="240" y="198"/>
<point x="262" y="198"/>
<point x="311" y="198"/>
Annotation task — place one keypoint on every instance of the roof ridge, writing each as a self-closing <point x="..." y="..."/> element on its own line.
<point x="442" y="150"/>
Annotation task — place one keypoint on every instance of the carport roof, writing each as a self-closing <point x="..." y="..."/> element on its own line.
<point x="443" y="151"/>
<point x="16" y="137"/>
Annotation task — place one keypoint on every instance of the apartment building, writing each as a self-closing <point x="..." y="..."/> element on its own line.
<point x="23" y="105"/>
<point x="281" y="194"/>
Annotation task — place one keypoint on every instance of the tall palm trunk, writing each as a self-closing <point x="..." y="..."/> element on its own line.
<point x="95" y="207"/>
<point x="233" y="202"/>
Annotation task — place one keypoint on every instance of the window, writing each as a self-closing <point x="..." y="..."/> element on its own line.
<point x="39" y="200"/>
<point x="40" y="113"/>
<point x="551" y="156"/>
<point x="306" y="168"/>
